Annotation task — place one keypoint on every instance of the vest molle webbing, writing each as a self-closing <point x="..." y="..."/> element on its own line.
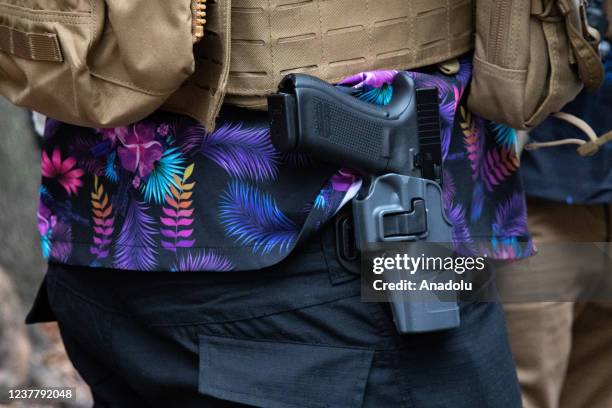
<point x="325" y="38"/>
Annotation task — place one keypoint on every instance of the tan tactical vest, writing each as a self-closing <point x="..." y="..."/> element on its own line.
<point x="106" y="63"/>
<point x="251" y="44"/>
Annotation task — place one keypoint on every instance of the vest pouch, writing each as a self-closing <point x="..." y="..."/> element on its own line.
<point x="531" y="58"/>
<point x="94" y="63"/>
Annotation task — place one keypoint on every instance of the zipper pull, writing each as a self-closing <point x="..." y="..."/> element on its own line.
<point x="198" y="11"/>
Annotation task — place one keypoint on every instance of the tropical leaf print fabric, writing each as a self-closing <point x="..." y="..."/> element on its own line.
<point x="165" y="195"/>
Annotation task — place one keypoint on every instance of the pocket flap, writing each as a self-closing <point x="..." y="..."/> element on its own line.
<point x="276" y="374"/>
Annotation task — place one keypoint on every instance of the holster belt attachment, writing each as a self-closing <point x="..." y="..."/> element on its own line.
<point x="397" y="149"/>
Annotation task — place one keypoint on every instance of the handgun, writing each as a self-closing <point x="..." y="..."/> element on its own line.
<point x="396" y="148"/>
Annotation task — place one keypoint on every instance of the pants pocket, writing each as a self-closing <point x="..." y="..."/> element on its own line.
<point x="278" y="375"/>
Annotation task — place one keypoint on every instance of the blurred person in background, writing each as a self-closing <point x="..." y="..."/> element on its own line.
<point x="563" y="349"/>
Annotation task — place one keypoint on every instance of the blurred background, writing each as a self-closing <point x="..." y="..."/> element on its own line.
<point x="31" y="356"/>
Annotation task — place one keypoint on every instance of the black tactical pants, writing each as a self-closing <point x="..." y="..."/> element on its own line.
<point x="293" y="335"/>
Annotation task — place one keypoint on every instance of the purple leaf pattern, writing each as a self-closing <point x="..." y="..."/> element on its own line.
<point x="252" y="218"/>
<point x="203" y="260"/>
<point x="242" y="152"/>
<point x="510" y="218"/>
<point x="135" y="246"/>
<point x="178" y="214"/>
<point x="62" y="241"/>
<point x="90" y="151"/>
<point x="460" y="233"/>
<point x="187" y="133"/>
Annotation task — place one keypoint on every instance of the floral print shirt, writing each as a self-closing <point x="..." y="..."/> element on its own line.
<point x="165" y="195"/>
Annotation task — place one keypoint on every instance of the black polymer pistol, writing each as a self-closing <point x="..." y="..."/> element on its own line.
<point x="397" y="149"/>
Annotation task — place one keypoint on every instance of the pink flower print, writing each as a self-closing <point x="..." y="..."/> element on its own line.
<point x="375" y="79"/>
<point x="64" y="171"/>
<point x="139" y="150"/>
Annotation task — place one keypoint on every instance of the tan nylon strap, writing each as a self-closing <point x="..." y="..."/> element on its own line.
<point x="579" y="123"/>
<point x="587" y="57"/>
<point x="543" y="9"/>
<point x="586" y="148"/>
<point x="33" y="46"/>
